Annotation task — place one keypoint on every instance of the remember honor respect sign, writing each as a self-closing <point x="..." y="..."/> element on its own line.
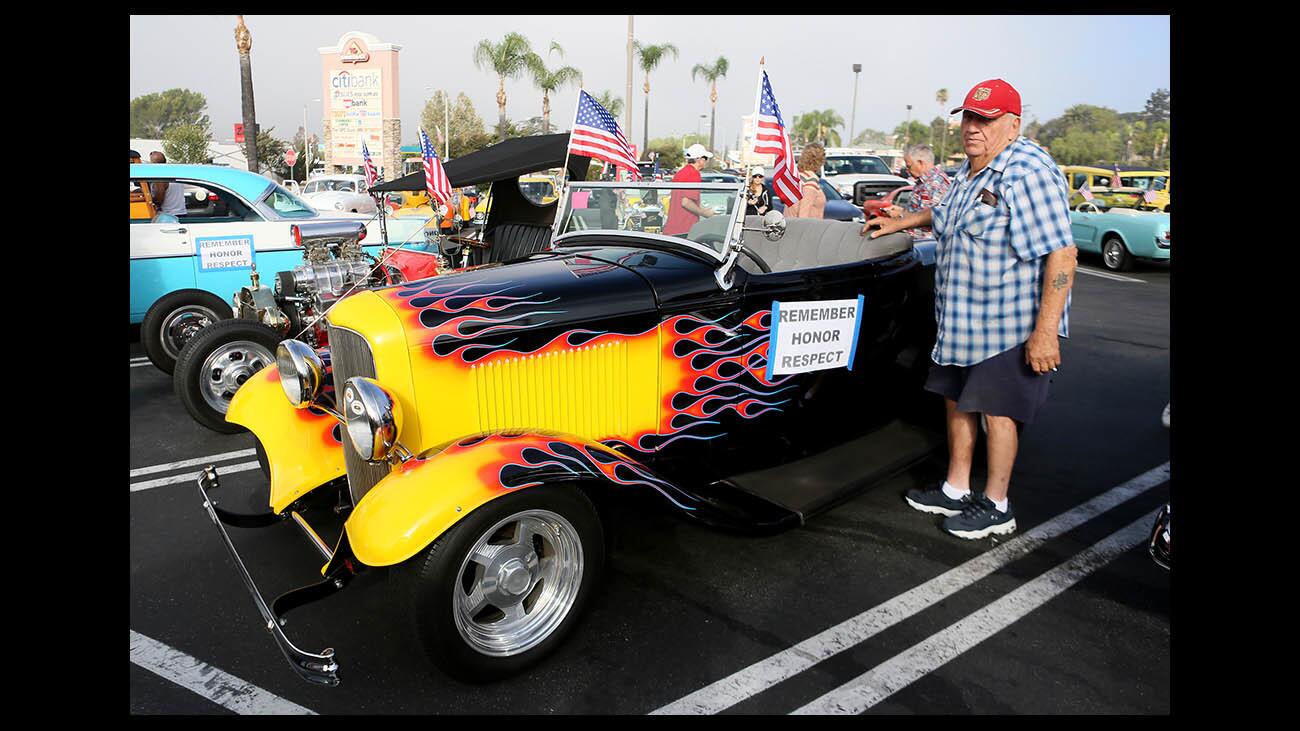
<point x="813" y="336"/>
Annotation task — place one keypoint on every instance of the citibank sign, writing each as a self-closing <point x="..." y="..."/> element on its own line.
<point x="361" y="81"/>
<point x="354" y="52"/>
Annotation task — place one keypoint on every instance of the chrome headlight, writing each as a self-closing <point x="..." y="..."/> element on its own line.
<point x="373" y="418"/>
<point x="301" y="372"/>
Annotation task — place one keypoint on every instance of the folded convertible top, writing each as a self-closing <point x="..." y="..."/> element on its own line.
<point x="504" y="160"/>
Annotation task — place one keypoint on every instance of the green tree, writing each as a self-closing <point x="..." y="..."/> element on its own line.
<point x="649" y="57"/>
<point x="938" y="127"/>
<point x="869" y="137"/>
<point x="672" y="150"/>
<point x="910" y="133"/>
<point x="548" y="80"/>
<point x="817" y="126"/>
<point x="612" y="104"/>
<point x="711" y="73"/>
<point x="1085" y="135"/>
<point x="509" y="58"/>
<point x="187" y="143"/>
<point x="153" y="114"/>
<point x="270" y="152"/>
<point x="468" y="133"/>
<point x="1157" y="108"/>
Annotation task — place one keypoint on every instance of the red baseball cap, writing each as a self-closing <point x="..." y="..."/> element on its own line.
<point x="992" y="99"/>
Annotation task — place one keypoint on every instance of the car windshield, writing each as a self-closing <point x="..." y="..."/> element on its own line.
<point x="856" y="165"/>
<point x="1144" y="182"/>
<point x="347" y="186"/>
<point x="664" y="209"/>
<point x="286" y="204"/>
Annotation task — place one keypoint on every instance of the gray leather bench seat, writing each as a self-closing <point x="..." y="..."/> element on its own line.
<point x="817" y="242"/>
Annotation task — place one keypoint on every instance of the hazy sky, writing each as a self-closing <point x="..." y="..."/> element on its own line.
<point x="1054" y="61"/>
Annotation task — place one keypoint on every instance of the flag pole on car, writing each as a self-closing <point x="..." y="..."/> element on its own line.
<point x="753" y="140"/>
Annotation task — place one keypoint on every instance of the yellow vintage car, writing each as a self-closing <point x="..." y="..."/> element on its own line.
<point x="1134" y="183"/>
<point x="539" y="189"/>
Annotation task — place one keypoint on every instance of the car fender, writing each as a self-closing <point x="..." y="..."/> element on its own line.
<point x="303" y="447"/>
<point x="424" y="497"/>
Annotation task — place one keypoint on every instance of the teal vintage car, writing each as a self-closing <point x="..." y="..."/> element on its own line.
<point x="1120" y="235"/>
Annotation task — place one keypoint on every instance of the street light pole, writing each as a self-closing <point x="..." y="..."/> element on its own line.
<point x="853" y="115"/>
<point x="907" y="128"/>
<point x="627" y="106"/>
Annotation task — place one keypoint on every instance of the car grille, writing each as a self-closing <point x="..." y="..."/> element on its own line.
<point x="864" y="191"/>
<point x="582" y="391"/>
<point x="350" y="356"/>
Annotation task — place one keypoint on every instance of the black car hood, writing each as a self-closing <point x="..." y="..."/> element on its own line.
<point x="495" y="305"/>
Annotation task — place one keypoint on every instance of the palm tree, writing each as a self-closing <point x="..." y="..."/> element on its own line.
<point x="244" y="44"/>
<point x="711" y="74"/>
<point x="649" y="58"/>
<point x="612" y="104"/>
<point x="550" y="80"/>
<point x="941" y="96"/>
<point x="508" y="59"/>
<point x="819" y="126"/>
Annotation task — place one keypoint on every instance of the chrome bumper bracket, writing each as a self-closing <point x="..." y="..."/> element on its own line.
<point x="320" y="668"/>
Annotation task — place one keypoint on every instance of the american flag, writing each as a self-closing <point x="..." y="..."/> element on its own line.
<point x="435" y="178"/>
<point x="595" y="134"/>
<point x="1114" y="178"/>
<point x="772" y="138"/>
<point x="371" y="174"/>
<point x="1086" y="191"/>
<point x="1149" y="196"/>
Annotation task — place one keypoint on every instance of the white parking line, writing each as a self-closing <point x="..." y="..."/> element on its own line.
<point x="1107" y="275"/>
<point x="138" y="358"/>
<point x="188" y="477"/>
<point x="191" y="462"/>
<point x="896" y="673"/>
<point x="140" y="365"/>
<point x="218" y="686"/>
<point x="766" y="673"/>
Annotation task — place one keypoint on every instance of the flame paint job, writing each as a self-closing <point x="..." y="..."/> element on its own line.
<point x="303" y="448"/>
<point x="424" y="497"/>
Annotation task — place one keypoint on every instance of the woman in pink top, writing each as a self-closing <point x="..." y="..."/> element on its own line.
<point x="812" y="200"/>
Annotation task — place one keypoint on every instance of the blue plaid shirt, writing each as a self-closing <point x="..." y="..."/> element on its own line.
<point x="989" y="260"/>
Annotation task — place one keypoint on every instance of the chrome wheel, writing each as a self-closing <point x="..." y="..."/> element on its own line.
<point x="181" y="324"/>
<point x="518" y="583"/>
<point x="226" y="369"/>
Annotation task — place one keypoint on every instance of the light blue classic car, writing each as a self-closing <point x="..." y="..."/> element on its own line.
<point x="185" y="267"/>
<point x="1120" y="235"/>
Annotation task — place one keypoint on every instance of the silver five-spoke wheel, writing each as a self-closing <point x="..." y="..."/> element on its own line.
<point x="518" y="582"/>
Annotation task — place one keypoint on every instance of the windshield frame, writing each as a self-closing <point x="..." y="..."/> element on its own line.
<point x="714" y="255"/>
<point x="843" y="156"/>
<point x="272" y="213"/>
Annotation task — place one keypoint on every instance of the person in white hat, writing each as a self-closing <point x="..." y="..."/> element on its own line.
<point x="684" y="208"/>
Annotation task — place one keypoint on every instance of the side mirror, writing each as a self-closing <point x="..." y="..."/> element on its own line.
<point x="774" y="222"/>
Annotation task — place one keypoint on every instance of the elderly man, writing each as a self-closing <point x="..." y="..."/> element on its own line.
<point x="930" y="187"/>
<point x="170" y="198"/>
<point x="1005" y="264"/>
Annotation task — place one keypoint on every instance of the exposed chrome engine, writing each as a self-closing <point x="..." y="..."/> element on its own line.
<point x="336" y="266"/>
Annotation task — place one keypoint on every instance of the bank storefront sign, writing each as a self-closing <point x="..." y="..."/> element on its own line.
<point x="356" y="113"/>
<point x="813" y="336"/>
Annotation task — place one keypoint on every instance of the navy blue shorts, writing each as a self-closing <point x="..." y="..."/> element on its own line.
<point x="1004" y="385"/>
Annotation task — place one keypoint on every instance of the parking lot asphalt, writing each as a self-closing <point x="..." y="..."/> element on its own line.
<point x="1062" y="627"/>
